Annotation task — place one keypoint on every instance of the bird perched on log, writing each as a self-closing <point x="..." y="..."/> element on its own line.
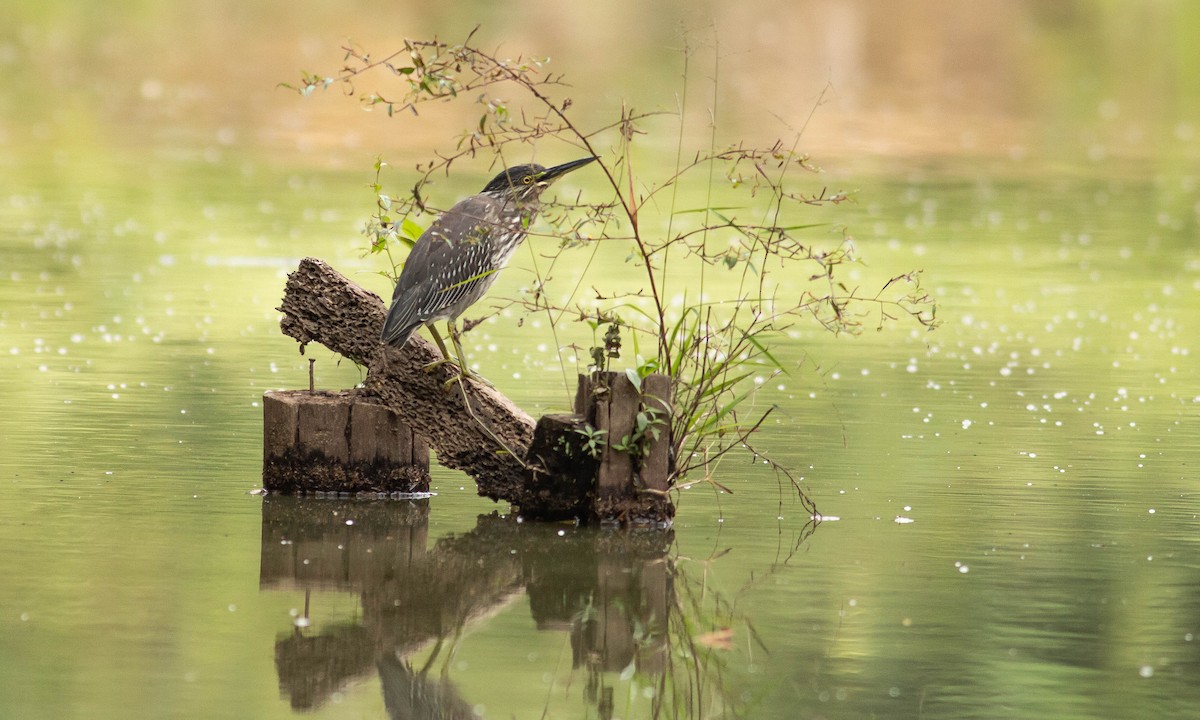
<point x="457" y="259"/>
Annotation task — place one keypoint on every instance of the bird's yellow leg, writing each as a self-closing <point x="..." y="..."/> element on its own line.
<point x="437" y="339"/>
<point x="464" y="372"/>
<point x="458" y="351"/>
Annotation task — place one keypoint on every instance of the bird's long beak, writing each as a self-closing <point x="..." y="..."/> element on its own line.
<point x="549" y="175"/>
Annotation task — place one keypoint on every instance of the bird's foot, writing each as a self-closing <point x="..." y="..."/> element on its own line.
<point x="437" y="364"/>
<point x="459" y="372"/>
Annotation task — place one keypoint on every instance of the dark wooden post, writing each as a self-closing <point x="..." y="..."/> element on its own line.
<point x="599" y="463"/>
<point x="340" y="442"/>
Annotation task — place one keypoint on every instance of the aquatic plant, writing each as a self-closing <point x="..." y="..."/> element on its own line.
<point x="749" y="224"/>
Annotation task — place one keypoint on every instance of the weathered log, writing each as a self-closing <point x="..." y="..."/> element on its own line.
<point x="339" y="442"/>
<point x="485" y="436"/>
<point x="474" y="428"/>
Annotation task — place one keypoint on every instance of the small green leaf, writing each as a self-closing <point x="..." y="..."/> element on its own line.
<point x="634" y="378"/>
<point x="411" y="230"/>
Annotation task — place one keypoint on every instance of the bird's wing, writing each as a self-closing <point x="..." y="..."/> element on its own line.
<point x="442" y="266"/>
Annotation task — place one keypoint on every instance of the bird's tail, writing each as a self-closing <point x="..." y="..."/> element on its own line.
<point x="397" y="329"/>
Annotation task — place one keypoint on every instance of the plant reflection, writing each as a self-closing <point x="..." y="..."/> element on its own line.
<point x="629" y="611"/>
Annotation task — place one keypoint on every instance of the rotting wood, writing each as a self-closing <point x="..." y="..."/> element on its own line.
<point x="635" y="468"/>
<point x="343" y="442"/>
<point x="474" y="428"/>
<point x="321" y="305"/>
<point x="562" y="470"/>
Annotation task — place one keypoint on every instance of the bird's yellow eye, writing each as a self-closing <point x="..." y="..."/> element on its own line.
<point x="528" y="179"/>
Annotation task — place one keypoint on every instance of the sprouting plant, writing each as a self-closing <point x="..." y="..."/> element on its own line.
<point x="593" y="440"/>
<point x="649" y="424"/>
<point x="752" y="226"/>
<point x="610" y="348"/>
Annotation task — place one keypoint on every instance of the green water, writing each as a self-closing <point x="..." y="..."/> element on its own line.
<point x="1011" y="500"/>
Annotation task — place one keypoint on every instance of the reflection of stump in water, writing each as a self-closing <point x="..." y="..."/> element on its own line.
<point x="313" y="668"/>
<point x="410" y="594"/>
<point x="599" y="586"/>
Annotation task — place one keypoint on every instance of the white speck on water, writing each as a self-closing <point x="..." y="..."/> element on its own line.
<point x="349" y="522"/>
<point x="1151" y="511"/>
<point x="24" y="617"/>
<point x="232" y="607"/>
<point x="966" y="424"/>
<point x="302" y="622"/>
<point x="562" y="533"/>
<point x="962" y="568"/>
<point x="901" y="520"/>
<point x="826" y="518"/>
<point x="1146" y="671"/>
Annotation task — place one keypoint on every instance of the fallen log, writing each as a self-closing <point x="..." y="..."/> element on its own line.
<point x="474" y="429"/>
<point x="607" y="462"/>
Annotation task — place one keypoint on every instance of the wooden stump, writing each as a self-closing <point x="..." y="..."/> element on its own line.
<point x="562" y="471"/>
<point x="341" y="442"/>
<point x="610" y="460"/>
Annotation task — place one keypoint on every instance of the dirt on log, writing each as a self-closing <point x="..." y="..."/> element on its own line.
<point x="484" y="436"/>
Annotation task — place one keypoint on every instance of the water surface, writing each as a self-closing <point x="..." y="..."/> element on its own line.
<point x="1010" y="500"/>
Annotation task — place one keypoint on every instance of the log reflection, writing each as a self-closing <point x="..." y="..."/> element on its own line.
<point x="613" y="593"/>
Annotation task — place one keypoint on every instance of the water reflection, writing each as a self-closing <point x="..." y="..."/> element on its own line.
<point x="619" y="597"/>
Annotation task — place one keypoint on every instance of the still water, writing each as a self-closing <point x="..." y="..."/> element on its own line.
<point x="1010" y="502"/>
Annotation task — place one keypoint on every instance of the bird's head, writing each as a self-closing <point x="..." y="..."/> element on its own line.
<point x="526" y="182"/>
